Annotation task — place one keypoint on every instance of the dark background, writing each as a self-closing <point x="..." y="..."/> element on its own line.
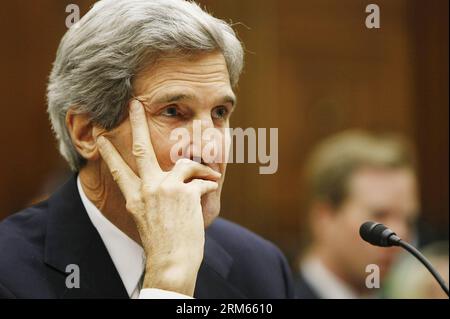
<point x="312" y="69"/>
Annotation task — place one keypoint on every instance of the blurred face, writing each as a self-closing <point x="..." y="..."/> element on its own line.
<point x="381" y="195"/>
<point x="176" y="93"/>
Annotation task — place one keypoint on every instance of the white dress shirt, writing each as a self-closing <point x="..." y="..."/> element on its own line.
<point x="128" y="256"/>
<point x="326" y="284"/>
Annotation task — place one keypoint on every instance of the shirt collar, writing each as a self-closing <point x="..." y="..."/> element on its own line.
<point x="128" y="256"/>
<point x="324" y="282"/>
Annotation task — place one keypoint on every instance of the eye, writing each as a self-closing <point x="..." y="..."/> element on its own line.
<point x="171" y="111"/>
<point x="220" y="112"/>
<point x="379" y="214"/>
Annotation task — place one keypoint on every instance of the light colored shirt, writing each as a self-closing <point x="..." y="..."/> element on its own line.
<point x="326" y="284"/>
<point x="127" y="255"/>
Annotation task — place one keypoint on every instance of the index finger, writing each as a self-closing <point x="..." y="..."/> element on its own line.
<point x="142" y="148"/>
<point x="122" y="174"/>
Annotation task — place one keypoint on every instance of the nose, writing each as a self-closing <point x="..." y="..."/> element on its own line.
<point x="402" y="228"/>
<point x="206" y="142"/>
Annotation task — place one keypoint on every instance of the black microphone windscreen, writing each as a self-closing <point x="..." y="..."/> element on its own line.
<point x="372" y="233"/>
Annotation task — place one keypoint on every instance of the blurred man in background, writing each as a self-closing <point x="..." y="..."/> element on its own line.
<point x="351" y="178"/>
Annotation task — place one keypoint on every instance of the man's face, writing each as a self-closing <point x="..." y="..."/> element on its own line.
<point x="176" y="92"/>
<point x="388" y="196"/>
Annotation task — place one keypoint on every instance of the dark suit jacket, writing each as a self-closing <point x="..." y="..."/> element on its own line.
<point x="303" y="289"/>
<point x="38" y="243"/>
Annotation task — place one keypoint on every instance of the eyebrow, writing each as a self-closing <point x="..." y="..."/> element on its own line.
<point x="177" y="97"/>
<point x="170" y="98"/>
<point x="229" y="99"/>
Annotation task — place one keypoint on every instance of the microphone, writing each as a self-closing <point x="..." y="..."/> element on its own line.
<point x="379" y="235"/>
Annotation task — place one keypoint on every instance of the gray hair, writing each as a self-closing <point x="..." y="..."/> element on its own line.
<point x="100" y="55"/>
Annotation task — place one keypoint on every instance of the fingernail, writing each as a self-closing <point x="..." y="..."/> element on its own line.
<point x="100" y="139"/>
<point x="135" y="104"/>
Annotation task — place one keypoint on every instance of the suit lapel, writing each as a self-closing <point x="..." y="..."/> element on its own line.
<point x="71" y="239"/>
<point x="212" y="279"/>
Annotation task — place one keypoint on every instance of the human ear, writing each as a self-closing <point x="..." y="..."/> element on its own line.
<point x="83" y="134"/>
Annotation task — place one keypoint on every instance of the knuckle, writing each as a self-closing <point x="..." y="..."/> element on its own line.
<point x="183" y="163"/>
<point x="149" y="190"/>
<point x="192" y="192"/>
<point x="139" y="149"/>
<point x="134" y="204"/>
<point x="169" y="188"/>
<point x="190" y="189"/>
<point x="129" y="206"/>
<point x="115" y="174"/>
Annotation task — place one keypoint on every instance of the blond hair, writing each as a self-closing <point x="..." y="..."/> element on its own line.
<point x="333" y="162"/>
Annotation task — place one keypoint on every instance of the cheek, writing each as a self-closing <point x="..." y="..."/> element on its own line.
<point x="353" y="216"/>
<point x="162" y="144"/>
<point x="346" y="227"/>
<point x="121" y="138"/>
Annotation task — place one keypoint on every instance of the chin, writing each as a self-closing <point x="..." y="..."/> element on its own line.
<point x="210" y="207"/>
